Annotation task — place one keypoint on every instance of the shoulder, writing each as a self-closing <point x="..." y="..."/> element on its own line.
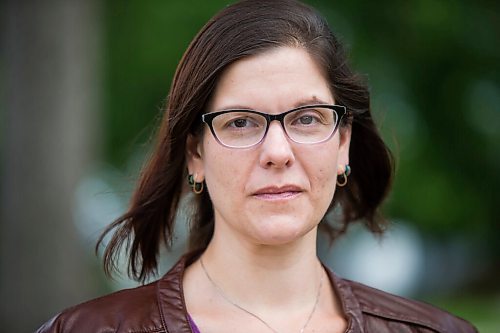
<point x="383" y="310"/>
<point x="131" y="310"/>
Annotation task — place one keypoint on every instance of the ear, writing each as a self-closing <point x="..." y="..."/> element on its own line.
<point x="344" y="144"/>
<point x="194" y="157"/>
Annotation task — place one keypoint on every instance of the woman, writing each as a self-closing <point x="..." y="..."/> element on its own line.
<point x="272" y="131"/>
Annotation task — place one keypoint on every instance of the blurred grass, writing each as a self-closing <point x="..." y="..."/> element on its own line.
<point x="481" y="310"/>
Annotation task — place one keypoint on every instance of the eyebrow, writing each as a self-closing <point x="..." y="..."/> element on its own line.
<point x="301" y="102"/>
<point x="308" y="101"/>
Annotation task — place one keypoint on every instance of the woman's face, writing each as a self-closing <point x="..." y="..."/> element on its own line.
<point x="277" y="191"/>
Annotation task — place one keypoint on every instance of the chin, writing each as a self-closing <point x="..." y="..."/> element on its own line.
<point x="281" y="231"/>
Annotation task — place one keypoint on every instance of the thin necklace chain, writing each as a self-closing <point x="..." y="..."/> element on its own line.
<point x="221" y="293"/>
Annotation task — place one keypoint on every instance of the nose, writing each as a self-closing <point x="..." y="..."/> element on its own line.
<point x="276" y="151"/>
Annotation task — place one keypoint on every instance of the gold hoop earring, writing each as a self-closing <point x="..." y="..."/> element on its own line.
<point x="343" y="177"/>
<point x="198" y="187"/>
<point x="195" y="186"/>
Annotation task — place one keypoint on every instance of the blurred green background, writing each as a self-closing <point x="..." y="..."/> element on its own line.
<point x="82" y="90"/>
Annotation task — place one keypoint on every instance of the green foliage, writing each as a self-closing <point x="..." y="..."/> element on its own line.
<point x="144" y="42"/>
<point x="481" y="310"/>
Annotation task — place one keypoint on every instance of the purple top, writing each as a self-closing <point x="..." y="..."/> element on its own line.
<point x="194" y="328"/>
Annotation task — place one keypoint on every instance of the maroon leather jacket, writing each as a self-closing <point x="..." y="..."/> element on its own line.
<point x="160" y="307"/>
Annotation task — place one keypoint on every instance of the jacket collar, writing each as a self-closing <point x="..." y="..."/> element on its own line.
<point x="349" y="302"/>
<point x="173" y="312"/>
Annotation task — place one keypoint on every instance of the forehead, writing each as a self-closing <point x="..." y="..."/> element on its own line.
<point x="272" y="81"/>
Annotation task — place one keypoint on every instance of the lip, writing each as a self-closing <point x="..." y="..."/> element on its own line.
<point x="278" y="192"/>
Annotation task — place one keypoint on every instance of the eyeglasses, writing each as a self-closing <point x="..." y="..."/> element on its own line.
<point x="245" y="128"/>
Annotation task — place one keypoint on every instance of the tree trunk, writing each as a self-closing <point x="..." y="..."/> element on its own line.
<point x="51" y="85"/>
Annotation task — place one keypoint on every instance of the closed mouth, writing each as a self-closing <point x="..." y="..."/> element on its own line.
<point x="278" y="192"/>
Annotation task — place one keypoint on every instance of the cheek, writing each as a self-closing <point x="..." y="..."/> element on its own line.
<point x="326" y="178"/>
<point x="223" y="169"/>
<point x="324" y="172"/>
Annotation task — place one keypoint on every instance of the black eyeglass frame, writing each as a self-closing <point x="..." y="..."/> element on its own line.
<point x="340" y="110"/>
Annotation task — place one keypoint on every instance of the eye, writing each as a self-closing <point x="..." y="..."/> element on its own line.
<point x="239" y="123"/>
<point x="307" y="117"/>
<point x="242" y="123"/>
<point x="306" y="120"/>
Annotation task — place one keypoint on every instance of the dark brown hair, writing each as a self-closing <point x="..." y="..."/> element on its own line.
<point x="246" y="28"/>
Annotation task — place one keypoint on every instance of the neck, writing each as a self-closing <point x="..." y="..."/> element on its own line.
<point x="285" y="275"/>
